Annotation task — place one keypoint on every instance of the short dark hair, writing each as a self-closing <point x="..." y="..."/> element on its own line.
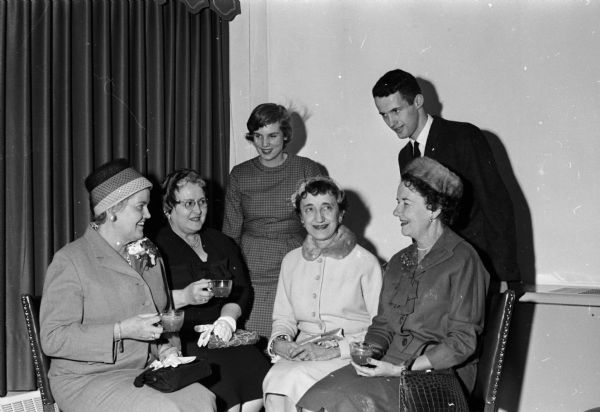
<point x="174" y="181"/>
<point x="269" y="113"/>
<point x="434" y="200"/>
<point x="397" y="81"/>
<point x="320" y="185"/>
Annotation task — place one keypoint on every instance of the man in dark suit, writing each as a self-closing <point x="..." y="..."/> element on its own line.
<point x="487" y="221"/>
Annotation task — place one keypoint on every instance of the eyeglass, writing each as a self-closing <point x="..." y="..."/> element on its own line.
<point x="189" y="204"/>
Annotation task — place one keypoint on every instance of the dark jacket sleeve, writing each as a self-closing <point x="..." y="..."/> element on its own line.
<point x="490" y="193"/>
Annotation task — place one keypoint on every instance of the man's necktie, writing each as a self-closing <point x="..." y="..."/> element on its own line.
<point x="415" y="150"/>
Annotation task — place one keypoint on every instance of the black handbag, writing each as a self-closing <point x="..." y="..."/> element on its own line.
<point x="171" y="379"/>
<point x="431" y="391"/>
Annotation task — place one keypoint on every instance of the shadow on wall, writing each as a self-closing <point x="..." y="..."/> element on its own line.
<point x="433" y="106"/>
<point x="298" y="141"/>
<point x="299" y="135"/>
<point x="515" y="361"/>
<point x="357" y="219"/>
<point x="358" y="216"/>
<point x="523" y="224"/>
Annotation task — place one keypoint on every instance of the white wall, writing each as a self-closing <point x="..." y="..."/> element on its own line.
<point x="527" y="72"/>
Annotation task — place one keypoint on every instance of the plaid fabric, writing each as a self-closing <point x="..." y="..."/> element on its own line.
<point x="261" y="219"/>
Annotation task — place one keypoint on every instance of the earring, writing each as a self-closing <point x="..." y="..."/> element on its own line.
<point x="431" y="219"/>
<point x="113" y="218"/>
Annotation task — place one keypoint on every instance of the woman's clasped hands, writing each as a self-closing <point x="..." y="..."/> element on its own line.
<point x="306" y="352"/>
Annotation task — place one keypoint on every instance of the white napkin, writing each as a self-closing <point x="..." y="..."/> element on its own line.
<point x="173" y="361"/>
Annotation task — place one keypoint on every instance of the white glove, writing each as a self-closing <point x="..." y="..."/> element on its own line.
<point x="224" y="328"/>
<point x="205" y="331"/>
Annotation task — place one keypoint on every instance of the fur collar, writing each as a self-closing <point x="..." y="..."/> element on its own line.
<point x="340" y="247"/>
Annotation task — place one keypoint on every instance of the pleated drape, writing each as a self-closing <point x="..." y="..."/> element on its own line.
<point x="83" y="82"/>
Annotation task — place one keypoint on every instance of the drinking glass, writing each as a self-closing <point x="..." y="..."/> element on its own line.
<point x="172" y="320"/>
<point x="360" y="352"/>
<point x="222" y="287"/>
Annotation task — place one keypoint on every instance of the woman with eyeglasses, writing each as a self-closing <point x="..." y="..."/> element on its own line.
<point x="258" y="213"/>
<point x="194" y="256"/>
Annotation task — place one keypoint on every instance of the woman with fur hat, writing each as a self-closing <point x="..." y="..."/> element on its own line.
<point x="432" y="304"/>
<point x="99" y="311"/>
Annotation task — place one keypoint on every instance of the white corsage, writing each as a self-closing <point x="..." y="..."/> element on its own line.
<point x="142" y="254"/>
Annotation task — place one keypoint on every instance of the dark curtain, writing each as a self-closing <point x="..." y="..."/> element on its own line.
<point x="83" y="82"/>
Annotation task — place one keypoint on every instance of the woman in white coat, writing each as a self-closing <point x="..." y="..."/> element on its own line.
<point x="328" y="283"/>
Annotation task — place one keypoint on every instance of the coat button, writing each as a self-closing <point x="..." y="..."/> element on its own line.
<point x="320" y="260"/>
<point x="404" y="341"/>
<point x="314" y="314"/>
<point x="314" y="295"/>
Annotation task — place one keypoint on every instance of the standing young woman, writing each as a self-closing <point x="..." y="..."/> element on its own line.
<point x="258" y="213"/>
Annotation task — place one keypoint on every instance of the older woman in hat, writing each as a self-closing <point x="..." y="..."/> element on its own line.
<point x="99" y="311"/>
<point x="432" y="304"/>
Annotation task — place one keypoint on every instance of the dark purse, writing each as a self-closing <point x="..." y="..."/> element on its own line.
<point x="170" y="379"/>
<point x="432" y="390"/>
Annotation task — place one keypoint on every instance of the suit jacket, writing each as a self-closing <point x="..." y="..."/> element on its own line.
<point x="441" y="300"/>
<point x="88" y="288"/>
<point x="487" y="218"/>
